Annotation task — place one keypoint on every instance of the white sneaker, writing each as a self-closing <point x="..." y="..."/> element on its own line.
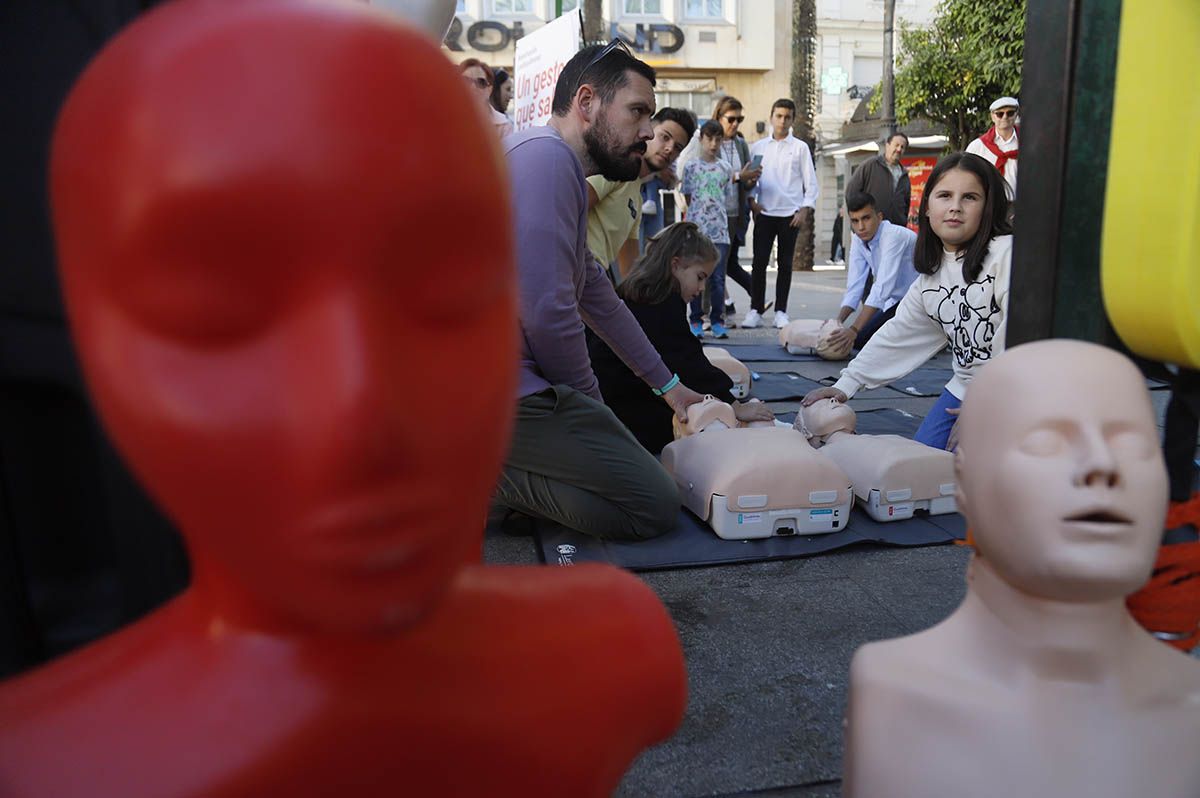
<point x="753" y="319"/>
<point x="781" y="320"/>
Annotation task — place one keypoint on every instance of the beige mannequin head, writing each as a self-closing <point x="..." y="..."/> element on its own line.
<point x="814" y="334"/>
<point x="711" y="413"/>
<point x="827" y="348"/>
<point x="821" y="419"/>
<point x="1059" y="471"/>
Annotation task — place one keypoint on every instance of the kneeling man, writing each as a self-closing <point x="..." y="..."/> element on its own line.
<point x="571" y="460"/>
<point x="881" y="253"/>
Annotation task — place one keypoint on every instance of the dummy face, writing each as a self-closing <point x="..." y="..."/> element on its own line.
<point x="894" y="149"/>
<point x="1060" y="473"/>
<point x="231" y="278"/>
<point x="690" y="274"/>
<point x="616" y="140"/>
<point x="1005" y="120"/>
<point x="478" y="83"/>
<point x="781" y="121"/>
<point x="956" y="208"/>
<point x="731" y="119"/>
<point x="865" y="222"/>
<point x="665" y="147"/>
<point x="828" y="416"/>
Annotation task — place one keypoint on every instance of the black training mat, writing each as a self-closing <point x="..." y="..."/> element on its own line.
<point x="882" y="421"/>
<point x="693" y="544"/>
<point x="930" y="380"/>
<point x="762" y="353"/>
<point x="925" y="381"/>
<point x="781" y="386"/>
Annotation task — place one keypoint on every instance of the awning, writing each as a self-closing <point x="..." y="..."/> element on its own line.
<point x="835" y="148"/>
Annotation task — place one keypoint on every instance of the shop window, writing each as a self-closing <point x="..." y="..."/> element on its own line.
<point x="699" y="103"/>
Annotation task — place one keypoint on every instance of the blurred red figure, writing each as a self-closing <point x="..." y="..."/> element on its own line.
<point x="240" y="205"/>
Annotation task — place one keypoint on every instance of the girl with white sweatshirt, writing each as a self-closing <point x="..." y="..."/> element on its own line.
<point x="960" y="297"/>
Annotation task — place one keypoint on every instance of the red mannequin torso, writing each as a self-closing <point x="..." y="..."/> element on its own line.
<point x="482" y="699"/>
<point x="241" y="201"/>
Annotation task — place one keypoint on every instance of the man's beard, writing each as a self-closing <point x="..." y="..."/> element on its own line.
<point x="610" y="160"/>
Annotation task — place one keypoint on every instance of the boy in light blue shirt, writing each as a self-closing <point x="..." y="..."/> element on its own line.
<point x="883" y="252"/>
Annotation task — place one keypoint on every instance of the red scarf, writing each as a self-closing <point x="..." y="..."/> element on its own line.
<point x="1002" y="157"/>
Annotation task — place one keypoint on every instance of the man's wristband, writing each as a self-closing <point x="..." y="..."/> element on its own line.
<point x="671" y="383"/>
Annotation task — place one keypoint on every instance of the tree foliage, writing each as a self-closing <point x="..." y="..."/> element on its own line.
<point x="951" y="71"/>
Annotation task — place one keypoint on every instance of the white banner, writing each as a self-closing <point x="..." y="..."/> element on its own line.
<point x="540" y="56"/>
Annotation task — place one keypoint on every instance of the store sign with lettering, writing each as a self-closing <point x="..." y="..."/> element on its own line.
<point x="489" y="36"/>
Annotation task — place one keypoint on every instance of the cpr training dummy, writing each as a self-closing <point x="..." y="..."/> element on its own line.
<point x="754" y="481"/>
<point x="1040" y="684"/>
<point x="228" y="191"/>
<point x="805" y="336"/>
<point x="893" y="477"/>
<point x="737" y="371"/>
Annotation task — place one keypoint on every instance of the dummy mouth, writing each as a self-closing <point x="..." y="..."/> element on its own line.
<point x="1099" y="517"/>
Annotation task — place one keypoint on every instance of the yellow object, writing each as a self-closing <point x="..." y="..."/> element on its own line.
<point x="1150" y="262"/>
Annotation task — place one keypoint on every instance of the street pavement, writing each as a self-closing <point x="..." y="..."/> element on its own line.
<point x="768" y="645"/>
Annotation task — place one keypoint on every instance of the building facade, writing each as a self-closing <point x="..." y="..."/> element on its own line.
<point x="700" y="48"/>
<point x="850" y="64"/>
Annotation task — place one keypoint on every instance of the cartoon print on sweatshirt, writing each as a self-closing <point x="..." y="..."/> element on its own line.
<point x="972" y="313"/>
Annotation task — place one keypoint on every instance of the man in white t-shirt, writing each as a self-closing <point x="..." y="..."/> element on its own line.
<point x="998" y="146"/>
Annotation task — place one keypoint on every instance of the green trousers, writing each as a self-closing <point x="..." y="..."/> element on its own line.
<point x="573" y="462"/>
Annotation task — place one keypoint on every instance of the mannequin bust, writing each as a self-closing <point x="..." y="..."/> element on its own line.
<point x="233" y="237"/>
<point x="736" y="369"/>
<point x="812" y="335"/>
<point x="1040" y="684"/>
<point x="893" y="477"/>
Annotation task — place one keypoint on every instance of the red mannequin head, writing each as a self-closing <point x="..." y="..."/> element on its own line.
<point x="318" y="396"/>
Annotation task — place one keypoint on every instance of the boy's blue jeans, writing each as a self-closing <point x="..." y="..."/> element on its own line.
<point x="716" y="291"/>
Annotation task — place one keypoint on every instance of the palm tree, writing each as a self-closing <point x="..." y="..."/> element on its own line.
<point x="593" y="22"/>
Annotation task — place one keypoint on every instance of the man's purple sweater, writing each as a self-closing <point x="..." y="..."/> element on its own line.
<point x="560" y="285"/>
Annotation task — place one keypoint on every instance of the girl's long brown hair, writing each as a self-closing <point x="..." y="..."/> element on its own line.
<point x="651" y="281"/>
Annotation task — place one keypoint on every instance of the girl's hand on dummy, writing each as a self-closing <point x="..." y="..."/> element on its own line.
<point x="680" y="398"/>
<point x="746" y="412"/>
<point x="817" y="394"/>
<point x="952" y="441"/>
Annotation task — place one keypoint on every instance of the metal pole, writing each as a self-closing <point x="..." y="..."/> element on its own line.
<point x="888" y="111"/>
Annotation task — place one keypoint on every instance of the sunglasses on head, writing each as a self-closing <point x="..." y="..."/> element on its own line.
<point x="479" y="82"/>
<point x="615" y="44"/>
<point x="735" y="119"/>
<point x="1007" y="113"/>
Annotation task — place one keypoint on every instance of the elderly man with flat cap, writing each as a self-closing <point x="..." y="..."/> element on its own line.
<point x="999" y="144"/>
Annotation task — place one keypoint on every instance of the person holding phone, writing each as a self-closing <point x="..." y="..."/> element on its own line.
<point x="786" y="193"/>
<point x="729" y="114"/>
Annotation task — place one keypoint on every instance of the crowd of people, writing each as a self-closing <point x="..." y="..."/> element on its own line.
<point x="612" y="319"/>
